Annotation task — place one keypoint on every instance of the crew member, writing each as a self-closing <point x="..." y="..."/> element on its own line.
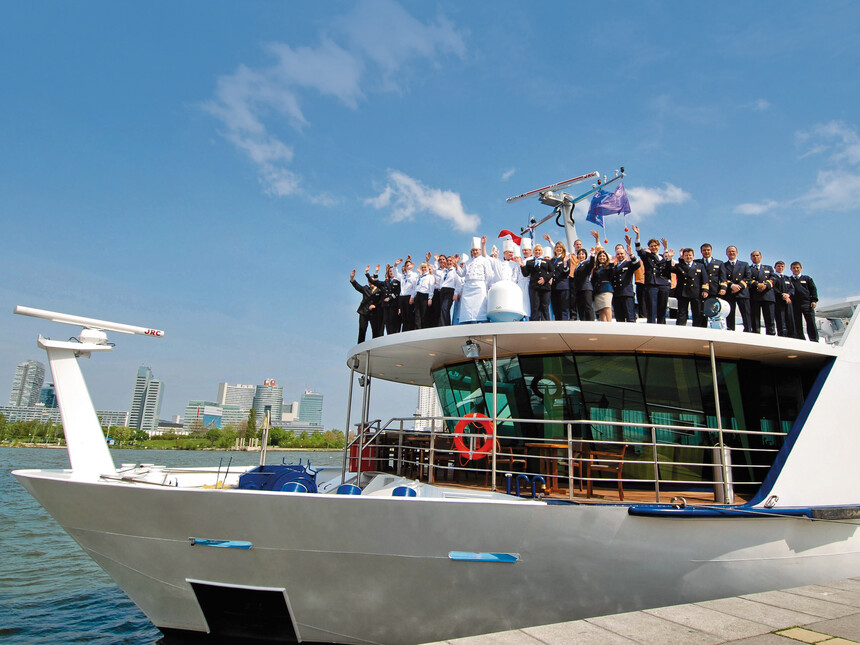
<point x="804" y="301"/>
<point x="737" y="274"/>
<point x="762" y="299"/>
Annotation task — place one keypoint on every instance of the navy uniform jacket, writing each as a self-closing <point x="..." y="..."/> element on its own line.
<point x="622" y="277"/>
<point x="692" y="280"/>
<point x="543" y="270"/>
<point x="369" y="296"/>
<point x="740" y="275"/>
<point x="582" y="275"/>
<point x="561" y="274"/>
<point x="390" y="289"/>
<point x="782" y="284"/>
<point x="763" y="275"/>
<point x="716" y="275"/>
<point x="657" y="268"/>
<point x="804" y="290"/>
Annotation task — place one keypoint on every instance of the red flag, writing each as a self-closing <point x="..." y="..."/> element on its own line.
<point x="516" y="238"/>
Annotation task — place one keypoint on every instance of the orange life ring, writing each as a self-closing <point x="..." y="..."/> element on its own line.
<point x="484" y="449"/>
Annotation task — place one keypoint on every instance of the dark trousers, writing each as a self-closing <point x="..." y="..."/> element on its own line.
<point x="376" y="326"/>
<point x="805" y="312"/>
<point x="421" y="310"/>
<point x="363" y="322"/>
<point x="539" y="299"/>
<point x="446" y="299"/>
<point x="432" y="318"/>
<point x="784" y="316"/>
<point x="571" y="303"/>
<point x="560" y="304"/>
<point x="641" y="301"/>
<point x="759" y="308"/>
<point x="622" y="306"/>
<point x="657" y="297"/>
<point x="742" y="305"/>
<point x="585" y="305"/>
<point x="691" y="305"/>
<point x="391" y="319"/>
<point x="407" y="313"/>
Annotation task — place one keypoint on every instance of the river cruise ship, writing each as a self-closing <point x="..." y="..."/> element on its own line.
<point x="577" y="469"/>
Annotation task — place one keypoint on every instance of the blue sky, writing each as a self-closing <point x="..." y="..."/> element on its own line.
<point x="216" y="169"/>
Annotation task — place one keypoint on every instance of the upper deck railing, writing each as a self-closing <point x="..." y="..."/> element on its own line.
<point x="593" y="458"/>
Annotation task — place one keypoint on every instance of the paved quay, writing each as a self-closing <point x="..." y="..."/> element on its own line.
<point x="826" y="614"/>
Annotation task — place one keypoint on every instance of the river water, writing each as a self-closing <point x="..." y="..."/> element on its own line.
<point x="50" y="590"/>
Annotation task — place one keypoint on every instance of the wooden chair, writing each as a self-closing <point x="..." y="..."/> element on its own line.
<point x="506" y="461"/>
<point x="445" y="458"/>
<point x="605" y="461"/>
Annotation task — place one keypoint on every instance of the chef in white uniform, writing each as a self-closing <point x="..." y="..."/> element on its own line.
<point x="478" y="274"/>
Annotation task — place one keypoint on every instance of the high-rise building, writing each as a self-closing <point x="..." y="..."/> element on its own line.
<point x="29" y="377"/>
<point x="310" y="408"/>
<point x="47" y="396"/>
<point x="145" y="402"/>
<point x="268" y="397"/>
<point x="205" y="415"/>
<point x="428" y="406"/>
<point x="241" y="395"/>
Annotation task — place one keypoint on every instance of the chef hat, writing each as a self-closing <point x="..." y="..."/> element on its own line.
<point x="463" y="258"/>
<point x="526" y="243"/>
<point x="517" y="251"/>
<point x="508" y="245"/>
<point x="476" y="243"/>
<point x="547" y="251"/>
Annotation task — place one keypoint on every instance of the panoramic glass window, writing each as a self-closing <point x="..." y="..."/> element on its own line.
<point x="537" y="394"/>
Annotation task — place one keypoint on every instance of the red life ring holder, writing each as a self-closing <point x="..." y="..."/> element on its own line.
<point x="484" y="449"/>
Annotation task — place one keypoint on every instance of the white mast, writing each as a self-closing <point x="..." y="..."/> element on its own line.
<point x="88" y="452"/>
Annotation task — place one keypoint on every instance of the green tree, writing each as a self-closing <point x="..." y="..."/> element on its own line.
<point x="213" y="435"/>
<point x="251" y="428"/>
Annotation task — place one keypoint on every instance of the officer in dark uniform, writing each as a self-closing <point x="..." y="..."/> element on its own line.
<point x="737" y="292"/>
<point x="692" y="287"/>
<point x="622" y="283"/>
<point x="390" y="288"/>
<point x="804" y="302"/>
<point x="539" y="273"/>
<point x="369" y="299"/>
<point x="783" y="290"/>
<point x="658" y="270"/>
<point x="762" y="300"/>
<point x="716" y="279"/>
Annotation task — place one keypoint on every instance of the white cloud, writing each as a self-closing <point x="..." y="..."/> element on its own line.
<point x="407" y="197"/>
<point x="834" y="190"/>
<point x="508" y="174"/>
<point x="759" y="105"/>
<point x="645" y="201"/>
<point x="368" y="50"/>
<point x="756" y="209"/>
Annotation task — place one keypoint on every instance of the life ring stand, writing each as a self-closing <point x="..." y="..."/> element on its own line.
<point x="484" y="449"/>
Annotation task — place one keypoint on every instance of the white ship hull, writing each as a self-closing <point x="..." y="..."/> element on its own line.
<point x="377" y="569"/>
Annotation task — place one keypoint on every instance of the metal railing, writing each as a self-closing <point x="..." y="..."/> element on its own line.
<point x="422" y="454"/>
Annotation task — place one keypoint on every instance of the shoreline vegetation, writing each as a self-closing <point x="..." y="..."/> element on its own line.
<point x="245" y="437"/>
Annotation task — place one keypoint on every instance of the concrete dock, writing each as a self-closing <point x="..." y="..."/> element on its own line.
<point x="826" y="613"/>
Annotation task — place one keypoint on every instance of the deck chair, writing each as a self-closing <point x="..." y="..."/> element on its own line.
<point x="605" y="461"/>
<point x="506" y="461"/>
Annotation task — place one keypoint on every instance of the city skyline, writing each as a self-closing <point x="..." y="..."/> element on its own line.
<point x="143" y="412"/>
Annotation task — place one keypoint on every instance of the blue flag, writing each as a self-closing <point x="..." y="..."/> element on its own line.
<point x="606" y="203"/>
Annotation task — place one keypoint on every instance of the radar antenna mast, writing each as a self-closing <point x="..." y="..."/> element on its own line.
<point x="563" y="203"/>
<point x="88" y="451"/>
